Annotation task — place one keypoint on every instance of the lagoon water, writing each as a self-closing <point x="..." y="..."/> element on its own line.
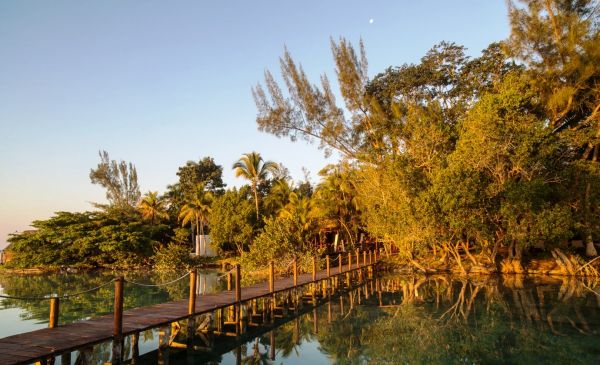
<point x="394" y="320"/>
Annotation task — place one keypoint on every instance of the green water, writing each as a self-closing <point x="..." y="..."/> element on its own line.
<point x="18" y="315"/>
<point x="403" y="320"/>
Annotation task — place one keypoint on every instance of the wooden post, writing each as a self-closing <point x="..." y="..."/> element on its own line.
<point x="314" y="268"/>
<point x="295" y="268"/>
<point x="117" y="351"/>
<point x="54" y="310"/>
<point x="65" y="359"/>
<point x="357" y="258"/>
<point x="191" y="322"/>
<point x="340" y="263"/>
<point x="192" y="299"/>
<point x="272" y="345"/>
<point x="271" y="276"/>
<point x="328" y="266"/>
<point x="365" y="258"/>
<point x="349" y="261"/>
<point x="229" y="281"/>
<point x="238" y="288"/>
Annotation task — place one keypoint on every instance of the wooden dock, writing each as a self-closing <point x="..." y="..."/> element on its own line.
<point x="45" y="344"/>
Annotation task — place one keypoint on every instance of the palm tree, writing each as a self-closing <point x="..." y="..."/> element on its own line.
<point x="252" y="167"/>
<point x="278" y="196"/>
<point x="153" y="207"/>
<point x="197" y="209"/>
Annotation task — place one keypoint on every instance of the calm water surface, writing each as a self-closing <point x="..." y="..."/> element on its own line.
<point x="393" y="320"/>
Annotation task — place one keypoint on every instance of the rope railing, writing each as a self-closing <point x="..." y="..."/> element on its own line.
<point x="160" y="284"/>
<point x="56" y="296"/>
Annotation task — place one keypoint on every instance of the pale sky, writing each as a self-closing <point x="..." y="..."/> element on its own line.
<point x="158" y="83"/>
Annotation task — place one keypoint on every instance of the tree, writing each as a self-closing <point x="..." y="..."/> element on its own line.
<point x="309" y="111"/>
<point x="232" y="220"/>
<point x="152" y="207"/>
<point x="277" y="197"/>
<point x="206" y="172"/>
<point x="252" y="168"/>
<point x="119" y="180"/>
<point x="559" y="41"/>
<point x="197" y="210"/>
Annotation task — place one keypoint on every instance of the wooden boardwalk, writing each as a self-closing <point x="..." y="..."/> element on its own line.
<point x="30" y="347"/>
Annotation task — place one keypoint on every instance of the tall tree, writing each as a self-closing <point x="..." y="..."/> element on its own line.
<point x="205" y="172"/>
<point x="559" y="41"/>
<point x="153" y="207"/>
<point x="310" y="111"/>
<point x="120" y="181"/>
<point x="252" y="168"/>
<point x="197" y="210"/>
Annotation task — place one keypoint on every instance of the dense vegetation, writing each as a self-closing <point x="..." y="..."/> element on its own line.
<point x="451" y="162"/>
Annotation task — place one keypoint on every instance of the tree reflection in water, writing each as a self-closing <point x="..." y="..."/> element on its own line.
<point x="418" y="319"/>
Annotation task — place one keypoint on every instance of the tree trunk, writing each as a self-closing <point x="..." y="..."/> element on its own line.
<point x="590" y="250"/>
<point x="255" y="190"/>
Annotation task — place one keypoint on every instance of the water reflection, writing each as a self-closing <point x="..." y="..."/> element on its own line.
<point x="438" y="319"/>
<point x="390" y="320"/>
<point x="17" y="316"/>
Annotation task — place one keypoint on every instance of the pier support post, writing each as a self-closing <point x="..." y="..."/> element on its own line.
<point x="271" y="276"/>
<point x="295" y="268"/>
<point x="117" y="349"/>
<point x="191" y="322"/>
<point x="65" y="359"/>
<point x="238" y="297"/>
<point x="54" y="310"/>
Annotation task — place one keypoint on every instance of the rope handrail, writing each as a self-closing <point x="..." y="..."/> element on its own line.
<point x="51" y="296"/>
<point x="226" y="273"/>
<point x="157" y="285"/>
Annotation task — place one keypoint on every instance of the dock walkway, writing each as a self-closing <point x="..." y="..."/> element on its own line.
<point x="47" y="343"/>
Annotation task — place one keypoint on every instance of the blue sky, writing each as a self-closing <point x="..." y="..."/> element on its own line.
<point x="159" y="83"/>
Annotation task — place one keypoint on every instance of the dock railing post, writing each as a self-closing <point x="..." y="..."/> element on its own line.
<point x="117" y="353"/>
<point x="314" y="268"/>
<point x="295" y="269"/>
<point x="327" y="263"/>
<point x="349" y="261"/>
<point x="192" y="300"/>
<point x="340" y="263"/>
<point x="191" y="322"/>
<point x="238" y="298"/>
<point x="271" y="276"/>
<point x="238" y="288"/>
<point x="229" y="281"/>
<point x="357" y="258"/>
<point x="54" y="310"/>
<point x="364" y="258"/>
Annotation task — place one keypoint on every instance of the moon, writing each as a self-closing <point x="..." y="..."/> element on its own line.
<point x="371" y="21"/>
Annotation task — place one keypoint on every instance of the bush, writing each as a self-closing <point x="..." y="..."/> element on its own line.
<point x="173" y="257"/>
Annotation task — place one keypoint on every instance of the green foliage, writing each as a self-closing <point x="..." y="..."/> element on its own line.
<point x="91" y="239"/>
<point x="232" y="221"/>
<point x="205" y="172"/>
<point x="253" y="168"/>
<point x="453" y="149"/>
<point x="280" y="240"/>
<point x="173" y="257"/>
